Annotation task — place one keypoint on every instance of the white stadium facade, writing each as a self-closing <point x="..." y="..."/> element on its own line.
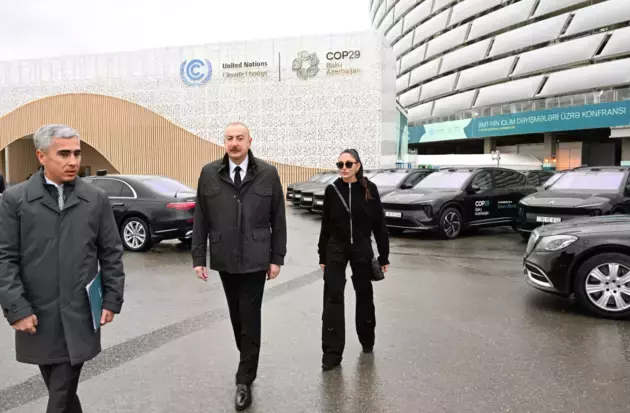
<point x="549" y="78"/>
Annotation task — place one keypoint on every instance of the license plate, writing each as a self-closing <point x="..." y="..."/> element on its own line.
<point x="393" y="214"/>
<point x="298" y="196"/>
<point x="548" y="220"/>
<point x="308" y="199"/>
<point x="320" y="202"/>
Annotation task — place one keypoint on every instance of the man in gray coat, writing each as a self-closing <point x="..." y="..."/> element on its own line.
<point x="55" y="230"/>
<point x="240" y="208"/>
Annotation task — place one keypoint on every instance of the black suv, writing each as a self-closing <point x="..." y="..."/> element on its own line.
<point x="454" y="199"/>
<point x="578" y="193"/>
<point x="538" y="177"/>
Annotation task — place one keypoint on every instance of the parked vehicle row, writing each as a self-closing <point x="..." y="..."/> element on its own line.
<point x="576" y="222"/>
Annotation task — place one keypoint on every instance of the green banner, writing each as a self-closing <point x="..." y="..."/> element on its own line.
<point x="602" y="115"/>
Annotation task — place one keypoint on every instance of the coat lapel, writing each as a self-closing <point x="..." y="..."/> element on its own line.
<point x="76" y="195"/>
<point x="35" y="191"/>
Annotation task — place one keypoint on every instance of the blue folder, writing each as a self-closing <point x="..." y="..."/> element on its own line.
<point x="95" y="295"/>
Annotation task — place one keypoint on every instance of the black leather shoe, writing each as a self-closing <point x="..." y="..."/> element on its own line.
<point x="243" y="397"/>
<point x="368" y="350"/>
<point x="326" y="366"/>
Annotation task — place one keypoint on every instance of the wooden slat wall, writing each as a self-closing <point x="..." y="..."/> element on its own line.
<point x="132" y="138"/>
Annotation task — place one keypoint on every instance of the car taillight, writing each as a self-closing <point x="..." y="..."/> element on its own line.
<point x="181" y="206"/>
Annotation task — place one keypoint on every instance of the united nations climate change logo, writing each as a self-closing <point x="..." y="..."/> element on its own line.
<point x="306" y="65"/>
<point x="196" y="72"/>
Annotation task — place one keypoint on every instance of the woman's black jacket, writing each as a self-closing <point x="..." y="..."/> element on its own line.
<point x="367" y="217"/>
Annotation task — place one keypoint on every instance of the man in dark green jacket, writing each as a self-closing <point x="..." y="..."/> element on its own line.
<point x="240" y="209"/>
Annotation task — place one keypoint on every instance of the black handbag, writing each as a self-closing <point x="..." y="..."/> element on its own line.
<point x="377" y="270"/>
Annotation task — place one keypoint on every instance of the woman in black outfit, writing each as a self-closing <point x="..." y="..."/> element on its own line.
<point x="344" y="239"/>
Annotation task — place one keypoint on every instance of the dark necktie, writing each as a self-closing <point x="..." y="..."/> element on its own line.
<point x="237" y="177"/>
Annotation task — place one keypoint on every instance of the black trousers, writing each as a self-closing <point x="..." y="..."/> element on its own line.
<point x="244" y="294"/>
<point x="333" y="317"/>
<point x="62" y="381"/>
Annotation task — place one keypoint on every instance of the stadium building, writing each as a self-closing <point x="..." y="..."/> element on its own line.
<point x="163" y="111"/>
<point x="549" y="78"/>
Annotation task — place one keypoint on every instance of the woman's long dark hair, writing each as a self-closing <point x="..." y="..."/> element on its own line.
<point x="360" y="177"/>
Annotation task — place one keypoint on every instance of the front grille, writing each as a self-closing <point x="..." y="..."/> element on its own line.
<point x="559" y="211"/>
<point x="403" y="207"/>
<point x="307" y="199"/>
<point x="297" y="197"/>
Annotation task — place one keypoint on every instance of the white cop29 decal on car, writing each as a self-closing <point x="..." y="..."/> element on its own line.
<point x="479" y="208"/>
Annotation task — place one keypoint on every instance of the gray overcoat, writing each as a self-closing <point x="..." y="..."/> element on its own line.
<point x="47" y="258"/>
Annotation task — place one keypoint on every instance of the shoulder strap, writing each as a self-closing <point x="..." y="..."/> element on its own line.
<point x="341" y="197"/>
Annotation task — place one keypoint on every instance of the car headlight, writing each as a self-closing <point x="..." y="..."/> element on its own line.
<point x="555" y="242"/>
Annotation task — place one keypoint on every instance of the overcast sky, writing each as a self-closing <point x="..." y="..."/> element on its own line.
<point x="44" y="28"/>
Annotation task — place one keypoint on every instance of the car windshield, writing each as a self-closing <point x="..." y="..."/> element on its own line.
<point x="325" y="178"/>
<point x="166" y="186"/>
<point x="331" y="179"/>
<point x="596" y="181"/>
<point x="444" y="180"/>
<point x="388" y="178"/>
<point x="552" y="179"/>
<point x="315" y="178"/>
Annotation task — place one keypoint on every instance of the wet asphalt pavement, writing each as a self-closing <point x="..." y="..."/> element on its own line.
<point x="458" y="330"/>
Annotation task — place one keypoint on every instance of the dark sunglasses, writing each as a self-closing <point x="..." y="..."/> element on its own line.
<point x="348" y="164"/>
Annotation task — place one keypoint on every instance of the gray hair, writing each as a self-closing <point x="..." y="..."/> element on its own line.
<point x="44" y="136"/>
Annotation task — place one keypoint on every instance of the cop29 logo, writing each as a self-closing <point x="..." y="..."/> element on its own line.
<point x="482" y="203"/>
<point x="196" y="72"/>
<point x="306" y="65"/>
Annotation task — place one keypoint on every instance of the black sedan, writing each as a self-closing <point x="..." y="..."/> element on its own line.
<point x="451" y="200"/>
<point x="588" y="257"/>
<point x="291" y="187"/>
<point x="581" y="192"/>
<point x="148" y="209"/>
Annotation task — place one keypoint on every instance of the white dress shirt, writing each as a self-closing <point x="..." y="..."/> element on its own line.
<point x="48" y="181"/>
<point x="243" y="166"/>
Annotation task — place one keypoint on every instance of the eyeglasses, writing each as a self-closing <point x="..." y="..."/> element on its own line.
<point x="348" y="164"/>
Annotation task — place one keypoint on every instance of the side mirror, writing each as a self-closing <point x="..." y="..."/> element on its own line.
<point x="473" y="189"/>
<point x="406" y="186"/>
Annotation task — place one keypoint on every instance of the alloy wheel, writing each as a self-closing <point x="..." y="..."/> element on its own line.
<point x="607" y="287"/>
<point x="451" y="224"/>
<point x="134" y="234"/>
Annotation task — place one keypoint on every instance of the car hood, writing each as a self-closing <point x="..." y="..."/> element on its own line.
<point x="313" y="188"/>
<point x="411" y="196"/>
<point x="553" y="199"/>
<point x="588" y="226"/>
<point x="384" y="190"/>
<point x="305" y="187"/>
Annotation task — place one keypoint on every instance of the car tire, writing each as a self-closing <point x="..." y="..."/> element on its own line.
<point x="450" y="224"/>
<point x="136" y="235"/>
<point x="589" y="299"/>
